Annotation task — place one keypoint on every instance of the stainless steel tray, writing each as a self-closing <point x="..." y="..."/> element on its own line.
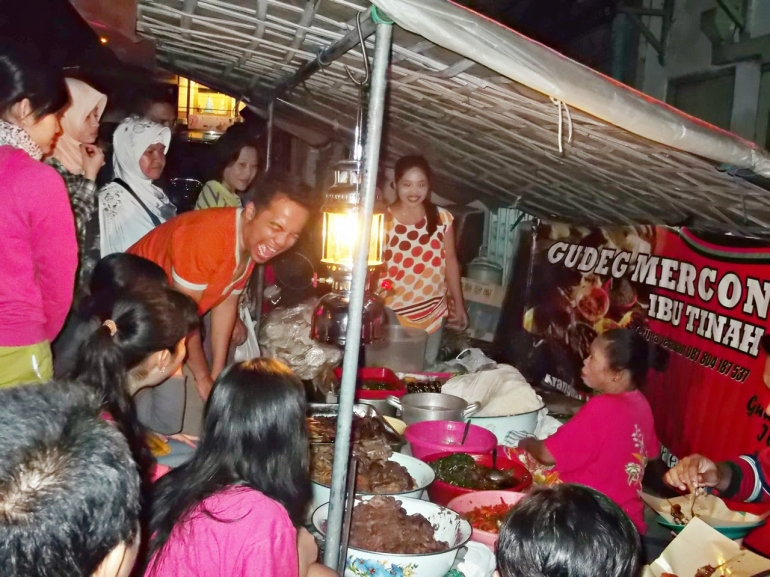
<point x="395" y="440"/>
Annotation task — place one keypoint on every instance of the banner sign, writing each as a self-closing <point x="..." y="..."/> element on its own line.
<point x="707" y="304"/>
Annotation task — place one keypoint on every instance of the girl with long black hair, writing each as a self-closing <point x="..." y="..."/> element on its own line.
<point x="134" y="339"/>
<point x="234" y="508"/>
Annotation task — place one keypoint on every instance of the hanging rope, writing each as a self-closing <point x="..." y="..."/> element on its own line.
<point x="563" y="110"/>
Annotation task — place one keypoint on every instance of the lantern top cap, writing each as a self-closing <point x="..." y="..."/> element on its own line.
<point x="346" y="194"/>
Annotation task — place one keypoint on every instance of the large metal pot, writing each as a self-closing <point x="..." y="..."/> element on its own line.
<point x="382" y="405"/>
<point x="484" y="270"/>
<point x="418" y="407"/>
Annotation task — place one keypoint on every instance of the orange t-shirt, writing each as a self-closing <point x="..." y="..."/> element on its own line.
<point x="199" y="251"/>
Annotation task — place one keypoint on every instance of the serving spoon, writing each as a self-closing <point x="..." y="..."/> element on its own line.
<point x="465" y="432"/>
<point x="497" y="476"/>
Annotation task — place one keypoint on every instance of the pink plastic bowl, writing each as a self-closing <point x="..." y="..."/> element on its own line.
<point x="467" y="503"/>
<point x="431" y="437"/>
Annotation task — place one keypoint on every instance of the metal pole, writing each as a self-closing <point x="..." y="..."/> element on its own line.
<point x="270" y="120"/>
<point x="189" y="89"/>
<point x="358" y="284"/>
<point x="260" y="288"/>
<point x="325" y="57"/>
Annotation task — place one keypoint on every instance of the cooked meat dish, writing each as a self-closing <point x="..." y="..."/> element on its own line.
<point x="382" y="525"/>
<point x="678" y="515"/>
<point x="324" y="429"/>
<point x="374" y="473"/>
<point x="705" y="571"/>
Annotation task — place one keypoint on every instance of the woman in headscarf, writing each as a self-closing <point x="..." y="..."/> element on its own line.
<point x="131" y="206"/>
<point x="77" y="159"/>
<point x="39" y="256"/>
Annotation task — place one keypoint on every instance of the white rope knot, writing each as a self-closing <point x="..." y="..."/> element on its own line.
<point x="563" y="110"/>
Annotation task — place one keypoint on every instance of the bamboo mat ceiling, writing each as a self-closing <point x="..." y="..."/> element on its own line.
<point x="486" y="136"/>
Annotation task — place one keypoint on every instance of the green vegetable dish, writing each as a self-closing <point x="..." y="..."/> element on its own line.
<point x="377" y="386"/>
<point x="461" y="470"/>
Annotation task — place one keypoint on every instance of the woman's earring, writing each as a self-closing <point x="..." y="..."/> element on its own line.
<point x="163" y="369"/>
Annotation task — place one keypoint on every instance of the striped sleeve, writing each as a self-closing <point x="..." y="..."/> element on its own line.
<point x="749" y="480"/>
<point x="760" y="492"/>
<point x="208" y="198"/>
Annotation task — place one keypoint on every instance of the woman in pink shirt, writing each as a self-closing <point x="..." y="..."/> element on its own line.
<point x="608" y="443"/>
<point x="235" y="507"/>
<point x="39" y="252"/>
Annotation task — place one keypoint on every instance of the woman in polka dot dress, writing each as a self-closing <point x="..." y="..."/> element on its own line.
<point x="420" y="257"/>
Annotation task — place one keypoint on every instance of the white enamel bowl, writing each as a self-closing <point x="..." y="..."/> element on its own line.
<point x="450" y="527"/>
<point x="421" y="472"/>
<point x="510" y="429"/>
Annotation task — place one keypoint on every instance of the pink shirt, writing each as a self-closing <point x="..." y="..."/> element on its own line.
<point x="606" y="445"/>
<point x="39" y="252"/>
<point x="245" y="534"/>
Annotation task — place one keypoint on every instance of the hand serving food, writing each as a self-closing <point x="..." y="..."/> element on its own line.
<point x="694" y="472"/>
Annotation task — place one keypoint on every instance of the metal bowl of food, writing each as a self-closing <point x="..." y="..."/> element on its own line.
<point x="402" y="536"/>
<point x="419" y="407"/>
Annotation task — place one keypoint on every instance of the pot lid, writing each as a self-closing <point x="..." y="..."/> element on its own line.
<point x="484" y="263"/>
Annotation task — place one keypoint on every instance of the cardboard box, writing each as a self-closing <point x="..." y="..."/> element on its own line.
<point x="484" y="303"/>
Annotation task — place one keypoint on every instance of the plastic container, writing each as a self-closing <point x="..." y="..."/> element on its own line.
<point x="442" y="493"/>
<point x="431" y="437"/>
<point x="378" y="399"/>
<point x="379" y="374"/>
<point x="469" y="502"/>
<point x="402" y="349"/>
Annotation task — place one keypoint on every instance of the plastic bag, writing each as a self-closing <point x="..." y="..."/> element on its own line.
<point x="474" y="360"/>
<point x="479" y="561"/>
<point x="250" y="347"/>
<point x="502" y="392"/>
<point x="285" y="334"/>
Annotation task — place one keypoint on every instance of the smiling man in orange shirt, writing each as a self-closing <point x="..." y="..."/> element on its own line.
<point x="209" y="255"/>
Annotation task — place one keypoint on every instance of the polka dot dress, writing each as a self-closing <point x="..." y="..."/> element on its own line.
<point x="416" y="264"/>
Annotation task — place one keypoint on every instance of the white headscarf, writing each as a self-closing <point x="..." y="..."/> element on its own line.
<point x="122" y="219"/>
<point x="132" y="137"/>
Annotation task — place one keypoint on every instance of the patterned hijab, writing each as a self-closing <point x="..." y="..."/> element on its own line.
<point x="132" y="137"/>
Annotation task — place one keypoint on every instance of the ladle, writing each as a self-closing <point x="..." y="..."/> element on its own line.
<point x="465" y="432"/>
<point x="497" y="476"/>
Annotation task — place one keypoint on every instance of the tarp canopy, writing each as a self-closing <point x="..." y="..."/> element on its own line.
<point x="501" y="118"/>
